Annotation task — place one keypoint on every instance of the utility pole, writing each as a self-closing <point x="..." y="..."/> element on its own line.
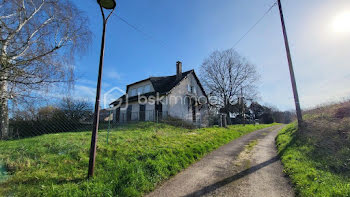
<point x="291" y="70"/>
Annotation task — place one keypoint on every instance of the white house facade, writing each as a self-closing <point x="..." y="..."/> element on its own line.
<point x="179" y="96"/>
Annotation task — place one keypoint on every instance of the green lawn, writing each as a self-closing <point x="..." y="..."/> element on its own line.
<point x="316" y="159"/>
<point x="137" y="158"/>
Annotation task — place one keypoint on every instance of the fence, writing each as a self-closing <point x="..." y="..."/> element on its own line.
<point x="108" y="119"/>
<point x="148" y="115"/>
<point x="31" y="128"/>
<point x="157" y="116"/>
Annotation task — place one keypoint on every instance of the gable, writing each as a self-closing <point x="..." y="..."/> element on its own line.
<point x="189" y="85"/>
<point x="199" y="84"/>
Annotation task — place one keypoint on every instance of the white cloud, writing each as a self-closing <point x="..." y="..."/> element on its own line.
<point x="112" y="74"/>
<point x="83" y="92"/>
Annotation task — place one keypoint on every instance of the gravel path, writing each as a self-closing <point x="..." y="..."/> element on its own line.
<point x="233" y="170"/>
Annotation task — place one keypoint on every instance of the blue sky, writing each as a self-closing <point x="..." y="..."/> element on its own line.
<point x="189" y="30"/>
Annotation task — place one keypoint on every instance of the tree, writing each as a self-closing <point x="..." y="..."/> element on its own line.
<point x="67" y="115"/>
<point x="224" y="74"/>
<point x="266" y="117"/>
<point x="269" y="114"/>
<point x="257" y="110"/>
<point x="76" y="110"/>
<point x="38" y="42"/>
<point x="47" y="113"/>
<point x="282" y="116"/>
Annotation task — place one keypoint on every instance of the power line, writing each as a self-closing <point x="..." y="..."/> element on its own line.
<point x="148" y="36"/>
<point x="255" y="24"/>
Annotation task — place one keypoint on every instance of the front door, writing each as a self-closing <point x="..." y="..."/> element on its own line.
<point x="117" y="115"/>
<point x="142" y="112"/>
<point x="128" y="113"/>
<point x="158" y="111"/>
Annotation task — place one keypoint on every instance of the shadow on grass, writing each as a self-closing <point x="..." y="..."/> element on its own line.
<point x="294" y="140"/>
<point x="213" y="187"/>
<point x="35" y="181"/>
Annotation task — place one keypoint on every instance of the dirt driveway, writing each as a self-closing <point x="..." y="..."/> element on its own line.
<point x="234" y="170"/>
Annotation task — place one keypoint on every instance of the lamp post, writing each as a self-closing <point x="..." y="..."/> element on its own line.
<point x="107" y="5"/>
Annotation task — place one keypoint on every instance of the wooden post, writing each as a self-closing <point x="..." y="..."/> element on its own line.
<point x="291" y="70"/>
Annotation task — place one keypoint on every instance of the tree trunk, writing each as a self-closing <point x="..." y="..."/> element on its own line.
<point x="227" y="110"/>
<point x="4" y="118"/>
<point x="228" y="118"/>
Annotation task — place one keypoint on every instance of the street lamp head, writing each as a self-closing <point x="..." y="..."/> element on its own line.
<point x="107" y="4"/>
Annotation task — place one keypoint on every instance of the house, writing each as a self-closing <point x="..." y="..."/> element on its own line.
<point x="179" y="96"/>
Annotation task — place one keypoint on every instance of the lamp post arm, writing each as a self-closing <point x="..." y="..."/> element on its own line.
<point x="104" y="16"/>
<point x="110" y="14"/>
<point x="103" y="13"/>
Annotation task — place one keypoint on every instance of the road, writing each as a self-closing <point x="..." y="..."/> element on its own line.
<point x="234" y="170"/>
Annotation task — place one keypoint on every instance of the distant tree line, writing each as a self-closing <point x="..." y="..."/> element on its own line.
<point x="267" y="115"/>
<point x="256" y="113"/>
<point x="67" y="116"/>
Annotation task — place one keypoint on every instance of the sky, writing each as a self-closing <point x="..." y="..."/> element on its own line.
<point x="189" y="30"/>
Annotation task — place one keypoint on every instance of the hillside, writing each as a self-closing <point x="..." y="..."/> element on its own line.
<point x="317" y="157"/>
<point x="137" y="158"/>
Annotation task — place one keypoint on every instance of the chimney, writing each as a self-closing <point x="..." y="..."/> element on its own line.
<point x="178" y="70"/>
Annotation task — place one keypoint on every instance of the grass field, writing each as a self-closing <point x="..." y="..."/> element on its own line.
<point x="317" y="157"/>
<point x="137" y="158"/>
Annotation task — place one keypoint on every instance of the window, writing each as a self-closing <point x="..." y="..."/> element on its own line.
<point x="188" y="102"/>
<point x="147" y="88"/>
<point x="133" y="92"/>
<point x="191" y="89"/>
<point x="140" y="90"/>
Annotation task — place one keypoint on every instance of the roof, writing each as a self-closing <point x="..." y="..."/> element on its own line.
<point x="161" y="85"/>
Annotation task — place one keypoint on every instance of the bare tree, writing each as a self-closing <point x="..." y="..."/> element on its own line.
<point x="38" y="41"/>
<point x="224" y="74"/>
<point x="76" y="110"/>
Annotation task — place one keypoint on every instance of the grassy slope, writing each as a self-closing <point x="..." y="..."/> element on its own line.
<point x="317" y="158"/>
<point x="137" y="158"/>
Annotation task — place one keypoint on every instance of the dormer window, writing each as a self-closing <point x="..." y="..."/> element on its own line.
<point x="140" y="90"/>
